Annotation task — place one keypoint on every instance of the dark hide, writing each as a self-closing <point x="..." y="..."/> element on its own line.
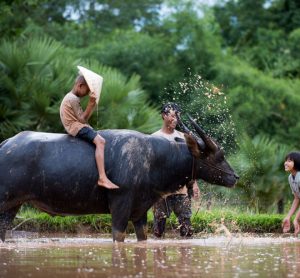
<point x="192" y="145"/>
<point x="57" y="173"/>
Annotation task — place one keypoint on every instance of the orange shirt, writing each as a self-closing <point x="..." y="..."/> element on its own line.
<point x="70" y="111"/>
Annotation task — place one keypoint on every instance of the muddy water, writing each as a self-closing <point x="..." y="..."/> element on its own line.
<point x="214" y="256"/>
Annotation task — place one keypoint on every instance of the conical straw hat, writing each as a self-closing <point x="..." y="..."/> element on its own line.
<point x="93" y="80"/>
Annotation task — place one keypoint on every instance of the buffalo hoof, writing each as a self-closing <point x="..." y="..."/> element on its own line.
<point x="118" y="236"/>
<point x="141" y="235"/>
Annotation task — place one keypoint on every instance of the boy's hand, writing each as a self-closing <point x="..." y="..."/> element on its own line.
<point x="93" y="98"/>
<point x="196" y="192"/>
<point x="296" y="227"/>
<point x="286" y="225"/>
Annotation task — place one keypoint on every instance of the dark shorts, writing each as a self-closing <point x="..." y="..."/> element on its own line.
<point x="87" y="134"/>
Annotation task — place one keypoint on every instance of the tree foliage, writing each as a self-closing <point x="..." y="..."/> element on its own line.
<point x="263" y="33"/>
<point x="92" y="18"/>
<point x="161" y="54"/>
<point x="123" y="103"/>
<point x="263" y="181"/>
<point x="36" y="74"/>
<point x="259" y="103"/>
<point x="146" y="51"/>
<point x="33" y="75"/>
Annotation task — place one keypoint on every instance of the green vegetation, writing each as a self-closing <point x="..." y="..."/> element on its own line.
<point x="215" y="221"/>
<point x="36" y="74"/>
<point x="263" y="182"/>
<point x="146" y="49"/>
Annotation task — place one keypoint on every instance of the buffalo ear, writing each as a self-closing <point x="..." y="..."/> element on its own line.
<point x="192" y="145"/>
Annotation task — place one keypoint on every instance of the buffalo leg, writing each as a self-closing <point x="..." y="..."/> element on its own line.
<point x="119" y="226"/>
<point x="6" y="219"/>
<point x="118" y="234"/>
<point x="140" y="227"/>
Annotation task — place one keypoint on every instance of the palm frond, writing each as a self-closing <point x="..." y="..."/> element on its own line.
<point x="260" y="164"/>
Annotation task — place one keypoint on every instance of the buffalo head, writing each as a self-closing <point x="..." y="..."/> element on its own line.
<point x="209" y="160"/>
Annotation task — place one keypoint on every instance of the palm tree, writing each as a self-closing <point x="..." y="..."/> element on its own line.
<point x="37" y="73"/>
<point x="263" y="182"/>
<point x="31" y="82"/>
<point x="123" y="104"/>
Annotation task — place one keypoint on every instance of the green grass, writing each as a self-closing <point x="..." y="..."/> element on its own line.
<point x="203" y="221"/>
<point x="237" y="222"/>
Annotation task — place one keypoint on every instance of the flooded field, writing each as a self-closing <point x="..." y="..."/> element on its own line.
<point x="208" y="256"/>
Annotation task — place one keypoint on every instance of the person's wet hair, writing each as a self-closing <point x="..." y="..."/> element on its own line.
<point x="166" y="108"/>
<point x="294" y="156"/>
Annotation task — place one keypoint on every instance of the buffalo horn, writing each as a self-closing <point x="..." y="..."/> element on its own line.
<point x="185" y="129"/>
<point x="207" y="140"/>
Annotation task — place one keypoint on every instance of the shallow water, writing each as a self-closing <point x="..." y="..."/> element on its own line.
<point x="209" y="256"/>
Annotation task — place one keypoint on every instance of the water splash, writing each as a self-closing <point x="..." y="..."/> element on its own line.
<point x="208" y="105"/>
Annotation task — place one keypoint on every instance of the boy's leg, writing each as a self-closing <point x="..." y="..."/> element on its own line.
<point x="160" y="213"/>
<point x="183" y="211"/>
<point x="99" y="155"/>
<point x="91" y="136"/>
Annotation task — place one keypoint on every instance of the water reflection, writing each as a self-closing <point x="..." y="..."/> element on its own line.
<point x="213" y="257"/>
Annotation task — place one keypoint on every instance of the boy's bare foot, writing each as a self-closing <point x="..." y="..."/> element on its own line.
<point x="107" y="184"/>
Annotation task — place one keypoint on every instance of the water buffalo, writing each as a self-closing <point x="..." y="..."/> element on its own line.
<point x="57" y="174"/>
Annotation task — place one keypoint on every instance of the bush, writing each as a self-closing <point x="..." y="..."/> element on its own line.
<point x="215" y="221"/>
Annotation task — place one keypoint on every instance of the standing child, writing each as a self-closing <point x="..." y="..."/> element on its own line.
<point x="292" y="165"/>
<point x="75" y="120"/>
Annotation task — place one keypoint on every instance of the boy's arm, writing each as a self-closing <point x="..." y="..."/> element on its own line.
<point x="297" y="217"/>
<point x="196" y="191"/>
<point x="286" y="223"/>
<point x="81" y="115"/>
<point x="294" y="206"/>
<point x="296" y="223"/>
<point x="89" y="108"/>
